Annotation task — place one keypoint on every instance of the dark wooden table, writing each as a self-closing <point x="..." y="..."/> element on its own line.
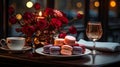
<point x="29" y="59"/>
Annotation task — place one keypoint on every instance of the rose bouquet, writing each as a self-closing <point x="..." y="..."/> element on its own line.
<point x="43" y="27"/>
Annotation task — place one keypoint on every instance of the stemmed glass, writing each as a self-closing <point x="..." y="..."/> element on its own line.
<point x="94" y="32"/>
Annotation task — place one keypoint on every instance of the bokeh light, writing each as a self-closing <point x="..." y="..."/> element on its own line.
<point x="29" y="4"/>
<point x="112" y="3"/>
<point x="79" y="4"/>
<point x="96" y="4"/>
<point x="19" y="16"/>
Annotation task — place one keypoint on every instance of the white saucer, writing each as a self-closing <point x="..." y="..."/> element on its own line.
<point x="25" y="48"/>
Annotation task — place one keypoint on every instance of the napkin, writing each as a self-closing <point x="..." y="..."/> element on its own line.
<point x="101" y="46"/>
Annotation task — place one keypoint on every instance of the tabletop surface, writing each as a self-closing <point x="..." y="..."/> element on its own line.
<point x="28" y="58"/>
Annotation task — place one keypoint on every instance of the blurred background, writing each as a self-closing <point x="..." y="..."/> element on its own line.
<point x="106" y="11"/>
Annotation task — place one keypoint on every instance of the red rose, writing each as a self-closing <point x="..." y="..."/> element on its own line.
<point x="62" y="35"/>
<point x="42" y="24"/>
<point x="28" y="30"/>
<point x="48" y="12"/>
<point x="64" y="20"/>
<point x="58" y="13"/>
<point x="26" y="22"/>
<point x="56" y="23"/>
<point x="11" y="10"/>
<point x="28" y="16"/>
<point x="72" y="30"/>
<point x="37" y="6"/>
<point x="79" y="16"/>
<point x="12" y="20"/>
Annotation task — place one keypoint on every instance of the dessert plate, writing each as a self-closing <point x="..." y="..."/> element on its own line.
<point x="40" y="51"/>
<point x="25" y="48"/>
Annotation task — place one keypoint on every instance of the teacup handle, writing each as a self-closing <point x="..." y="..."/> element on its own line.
<point x="3" y="42"/>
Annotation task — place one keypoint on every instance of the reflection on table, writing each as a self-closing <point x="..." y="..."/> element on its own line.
<point x="34" y="59"/>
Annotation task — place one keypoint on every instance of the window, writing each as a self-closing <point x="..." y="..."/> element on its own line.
<point x="106" y="11"/>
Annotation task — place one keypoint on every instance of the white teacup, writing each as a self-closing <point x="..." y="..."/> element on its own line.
<point x="15" y="43"/>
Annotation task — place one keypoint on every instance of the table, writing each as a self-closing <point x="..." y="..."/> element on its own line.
<point x="30" y="59"/>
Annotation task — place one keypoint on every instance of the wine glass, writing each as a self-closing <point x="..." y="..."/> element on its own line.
<point x="94" y="32"/>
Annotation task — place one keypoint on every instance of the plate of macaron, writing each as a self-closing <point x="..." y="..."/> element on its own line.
<point x="64" y="47"/>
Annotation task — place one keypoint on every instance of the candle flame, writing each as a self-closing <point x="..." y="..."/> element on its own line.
<point x="40" y="13"/>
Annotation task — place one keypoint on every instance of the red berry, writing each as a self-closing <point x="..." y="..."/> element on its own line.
<point x="83" y="47"/>
<point x="76" y="44"/>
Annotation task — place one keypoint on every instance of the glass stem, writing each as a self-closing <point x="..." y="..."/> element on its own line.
<point x="94" y="45"/>
<point x="33" y="48"/>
